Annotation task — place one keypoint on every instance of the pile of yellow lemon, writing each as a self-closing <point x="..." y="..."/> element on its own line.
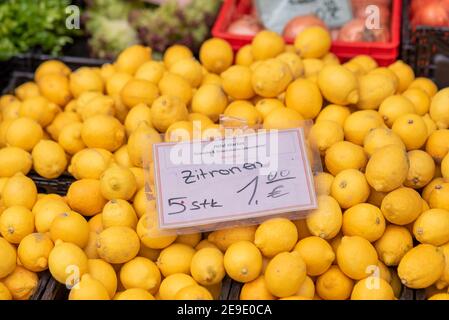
<point x="383" y="215"/>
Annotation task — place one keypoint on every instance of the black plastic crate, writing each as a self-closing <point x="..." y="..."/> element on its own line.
<point x="426" y="49"/>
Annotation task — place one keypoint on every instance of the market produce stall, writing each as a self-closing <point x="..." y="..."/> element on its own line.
<point x="83" y="176"/>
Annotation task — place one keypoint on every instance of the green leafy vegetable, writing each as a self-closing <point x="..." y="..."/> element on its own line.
<point x="29" y="24"/>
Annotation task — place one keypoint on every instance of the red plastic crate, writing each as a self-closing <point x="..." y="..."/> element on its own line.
<point x="384" y="52"/>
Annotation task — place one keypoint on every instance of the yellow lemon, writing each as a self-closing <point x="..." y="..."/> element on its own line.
<point x="137" y="91"/>
<point x="56" y="88"/>
<point x="325" y="221"/>
<point x="424" y="84"/>
<point x="150" y="71"/>
<point x="90" y="163"/>
<point x="266" y="105"/>
<point x="85" y="79"/>
<point x="307" y="289"/>
<point x="283" y="118"/>
<point x="70" y="138"/>
<point x="431" y="227"/>
<point x="373" y="90"/>
<point x="394" y="244"/>
<point x="176" y="258"/>
<point x="216" y="55"/>
<point x="372" y="288"/>
<point x="212" y="78"/>
<point x="116" y="82"/>
<point x="121" y="157"/>
<point x="380" y="137"/>
<point x="402" y="206"/>
<point x="412" y="129"/>
<point x="338" y="85"/>
<point x="243" y="261"/>
<point x="267" y="44"/>
<point x="270" y="78"/>
<point x="285" y="274"/>
<point x="190" y="70"/>
<point x="138" y="114"/>
<point x="130" y="59"/>
<point x="104" y="132"/>
<point x="364" y="220"/>
<point x="67" y="263"/>
<point x="209" y="100"/>
<point x="256" y="290"/>
<point x="312" y="68"/>
<point x="39" y="109"/>
<point x="23" y="133"/>
<point x="244" y="110"/>
<point x="190" y="239"/>
<point x="205" y="244"/>
<point x="356" y="266"/>
<point x="431" y="126"/>
<point x="275" y="235"/>
<point x="437" y="146"/>
<point x="176" y="53"/>
<point x="103" y="272"/>
<point x="70" y="227"/>
<point x="19" y="190"/>
<point x="360" y="123"/>
<point x="388" y="73"/>
<point x="444" y="167"/>
<point x="335" y="113"/>
<point x="118" y="182"/>
<point x="421" y="171"/>
<point x="91" y="247"/>
<point x="96" y="106"/>
<point x="89" y="288"/>
<point x="11" y="111"/>
<point x="193" y="292"/>
<point x="140" y="273"/>
<point x="419" y="98"/>
<point x="141" y="140"/>
<point x="323" y="183"/>
<point x="244" y="56"/>
<point x="236" y="82"/>
<point x="84" y="196"/>
<point x="8" y="257"/>
<point x="334" y="285"/>
<point x="395" y="106"/>
<point x="172" y="284"/>
<point x="150" y="236"/>
<point x="207" y="266"/>
<point x="313" y="42"/>
<point x="387" y="168"/>
<point x="14" y="160"/>
<point x="118" y="212"/>
<point x="51" y="66"/>
<point x="16" y="223"/>
<point x="439" y="296"/>
<point x="174" y="85"/>
<point x="324" y="134"/>
<point x="224" y="238"/>
<point x="444" y="280"/>
<point x="404" y="73"/>
<point x="431" y="186"/>
<point x="21" y="283"/>
<point x="45" y="210"/>
<point x="62" y="120"/>
<point x="181" y="131"/>
<point x="439" y="110"/>
<point x="49" y="159"/>
<point x="421" y="266"/>
<point x="167" y="110"/>
<point x="350" y="188"/>
<point x="294" y="62"/>
<point x="330" y="58"/>
<point x="345" y="155"/>
<point x="304" y="96"/>
<point x="118" y="244"/>
<point x="316" y="253"/>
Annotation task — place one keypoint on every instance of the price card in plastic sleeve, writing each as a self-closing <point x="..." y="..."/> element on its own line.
<point x="234" y="178"/>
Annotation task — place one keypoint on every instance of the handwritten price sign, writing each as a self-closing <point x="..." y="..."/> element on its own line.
<point x="207" y="182"/>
